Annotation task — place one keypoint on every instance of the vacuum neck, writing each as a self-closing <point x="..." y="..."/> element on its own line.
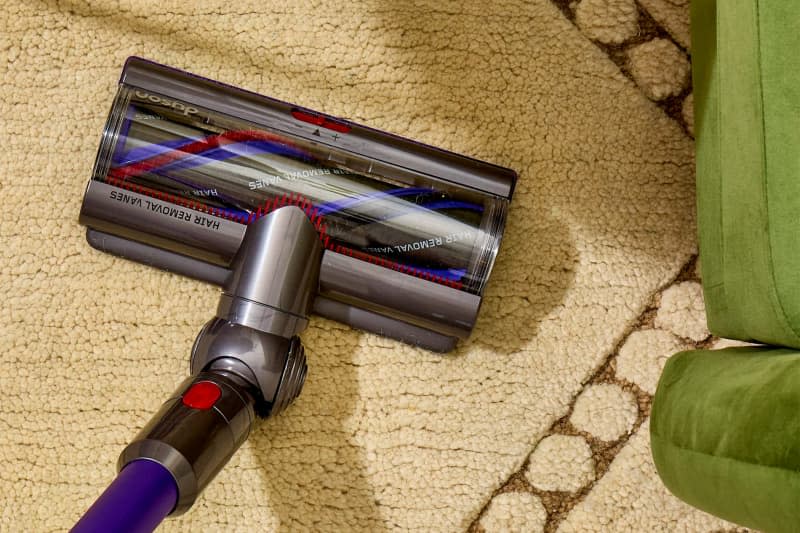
<point x="274" y="275"/>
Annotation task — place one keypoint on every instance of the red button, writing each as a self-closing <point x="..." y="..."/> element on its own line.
<point x="311" y="118"/>
<point x="202" y="395"/>
<point x="320" y="120"/>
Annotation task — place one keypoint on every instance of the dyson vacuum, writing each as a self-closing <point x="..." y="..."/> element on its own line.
<point x="291" y="212"/>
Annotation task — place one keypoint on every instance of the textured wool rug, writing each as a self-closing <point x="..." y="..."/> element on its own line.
<point x="539" y="422"/>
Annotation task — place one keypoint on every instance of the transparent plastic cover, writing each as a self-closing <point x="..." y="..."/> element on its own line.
<point x="233" y="169"/>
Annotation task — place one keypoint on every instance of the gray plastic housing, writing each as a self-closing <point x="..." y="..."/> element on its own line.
<point x="171" y="234"/>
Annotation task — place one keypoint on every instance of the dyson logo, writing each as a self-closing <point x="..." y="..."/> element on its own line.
<point x="185" y="110"/>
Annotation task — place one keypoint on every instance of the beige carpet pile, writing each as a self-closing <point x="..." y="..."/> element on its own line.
<point x="538" y="423"/>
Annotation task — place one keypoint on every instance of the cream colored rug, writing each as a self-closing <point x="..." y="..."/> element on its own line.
<point x="538" y="423"/>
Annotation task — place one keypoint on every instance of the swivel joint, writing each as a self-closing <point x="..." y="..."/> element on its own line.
<point x="246" y="361"/>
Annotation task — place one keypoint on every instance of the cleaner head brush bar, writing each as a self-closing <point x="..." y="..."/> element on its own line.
<point x="410" y="232"/>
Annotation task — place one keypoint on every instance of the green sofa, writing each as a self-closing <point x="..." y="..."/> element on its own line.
<point x="725" y="426"/>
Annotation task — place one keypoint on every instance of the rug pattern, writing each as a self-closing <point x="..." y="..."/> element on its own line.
<point x="537" y="423"/>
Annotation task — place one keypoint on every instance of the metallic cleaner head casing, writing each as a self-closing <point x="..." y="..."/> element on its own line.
<point x="409" y="232"/>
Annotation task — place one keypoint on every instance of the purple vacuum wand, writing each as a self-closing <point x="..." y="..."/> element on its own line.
<point x="246" y="361"/>
<point x="141" y="496"/>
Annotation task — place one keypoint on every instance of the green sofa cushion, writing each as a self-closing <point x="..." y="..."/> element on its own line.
<point x="725" y="434"/>
<point x="746" y="66"/>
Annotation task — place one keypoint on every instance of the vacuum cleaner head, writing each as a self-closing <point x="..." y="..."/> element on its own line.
<point x="290" y="212"/>
<point x="410" y="232"/>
